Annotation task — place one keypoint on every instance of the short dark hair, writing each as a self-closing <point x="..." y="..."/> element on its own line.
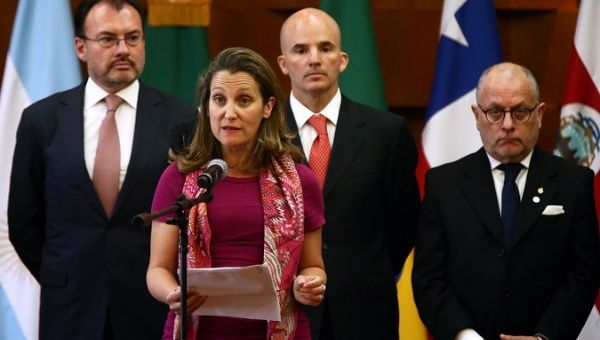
<point x="86" y="6"/>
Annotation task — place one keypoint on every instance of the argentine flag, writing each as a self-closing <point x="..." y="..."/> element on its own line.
<point x="41" y="60"/>
<point x="469" y="44"/>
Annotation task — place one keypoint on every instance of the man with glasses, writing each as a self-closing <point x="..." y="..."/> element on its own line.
<point x="507" y="246"/>
<point x="86" y="161"/>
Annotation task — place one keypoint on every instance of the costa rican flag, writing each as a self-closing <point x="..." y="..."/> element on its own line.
<point x="579" y="136"/>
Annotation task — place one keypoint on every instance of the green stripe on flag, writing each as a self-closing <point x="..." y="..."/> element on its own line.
<point x="362" y="80"/>
<point x="175" y="56"/>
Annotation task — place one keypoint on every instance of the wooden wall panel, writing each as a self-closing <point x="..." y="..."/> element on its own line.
<point x="542" y="41"/>
<point x="8" y="8"/>
<point x="535" y="33"/>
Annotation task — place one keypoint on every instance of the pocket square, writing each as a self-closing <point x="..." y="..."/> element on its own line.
<point x="553" y="210"/>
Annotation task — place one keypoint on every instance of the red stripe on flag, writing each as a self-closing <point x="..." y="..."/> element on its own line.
<point x="580" y="87"/>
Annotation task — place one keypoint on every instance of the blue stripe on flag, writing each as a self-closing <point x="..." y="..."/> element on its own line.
<point x="41" y="27"/>
<point x="41" y="61"/>
<point x="8" y="320"/>
<point x="458" y="67"/>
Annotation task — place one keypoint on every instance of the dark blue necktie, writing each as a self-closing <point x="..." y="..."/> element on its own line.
<point x="510" y="199"/>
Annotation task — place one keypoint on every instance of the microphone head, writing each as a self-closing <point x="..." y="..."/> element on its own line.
<point x="221" y="165"/>
<point x="216" y="169"/>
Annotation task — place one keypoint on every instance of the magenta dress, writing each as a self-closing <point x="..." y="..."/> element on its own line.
<point x="235" y="216"/>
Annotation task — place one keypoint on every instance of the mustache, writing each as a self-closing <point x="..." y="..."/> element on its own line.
<point x="121" y="60"/>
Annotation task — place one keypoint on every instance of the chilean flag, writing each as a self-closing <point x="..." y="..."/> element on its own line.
<point x="469" y="44"/>
<point x="579" y="135"/>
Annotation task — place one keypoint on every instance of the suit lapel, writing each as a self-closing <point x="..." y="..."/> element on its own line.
<point x="70" y="126"/>
<point x="291" y="123"/>
<point x="479" y="191"/>
<point x="346" y="144"/>
<point x="347" y="141"/>
<point x="147" y="125"/>
<point x="539" y="179"/>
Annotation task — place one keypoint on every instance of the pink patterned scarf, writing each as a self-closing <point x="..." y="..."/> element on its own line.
<point x="283" y="207"/>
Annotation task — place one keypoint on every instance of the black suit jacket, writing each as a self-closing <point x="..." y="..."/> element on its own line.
<point x="371" y="211"/>
<point x="89" y="266"/>
<point x="464" y="277"/>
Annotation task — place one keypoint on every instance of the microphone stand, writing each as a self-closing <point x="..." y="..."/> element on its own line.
<point x="182" y="206"/>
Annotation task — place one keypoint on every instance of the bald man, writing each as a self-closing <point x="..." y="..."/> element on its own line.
<point x="371" y="195"/>
<point x="480" y="274"/>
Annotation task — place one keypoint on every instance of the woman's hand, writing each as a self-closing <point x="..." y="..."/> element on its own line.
<point x="194" y="300"/>
<point x="309" y="290"/>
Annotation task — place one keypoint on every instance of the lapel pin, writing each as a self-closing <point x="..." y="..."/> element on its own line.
<point x="536" y="199"/>
<point x="540" y="190"/>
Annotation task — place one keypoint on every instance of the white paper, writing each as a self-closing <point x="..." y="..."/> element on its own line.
<point x="243" y="292"/>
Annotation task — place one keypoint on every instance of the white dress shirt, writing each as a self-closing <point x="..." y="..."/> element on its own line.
<point x="94" y="111"/>
<point x="306" y="132"/>
<point x="498" y="176"/>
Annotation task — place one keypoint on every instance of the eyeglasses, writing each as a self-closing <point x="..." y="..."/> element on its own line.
<point x="108" y="41"/>
<point x="495" y="115"/>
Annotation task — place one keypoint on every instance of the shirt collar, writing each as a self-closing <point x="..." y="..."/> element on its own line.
<point x="331" y="111"/>
<point x="525" y="162"/>
<point x="95" y="94"/>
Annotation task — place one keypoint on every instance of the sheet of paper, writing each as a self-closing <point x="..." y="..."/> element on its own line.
<point x="244" y="292"/>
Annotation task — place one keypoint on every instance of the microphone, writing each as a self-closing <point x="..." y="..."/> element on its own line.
<point x="215" y="171"/>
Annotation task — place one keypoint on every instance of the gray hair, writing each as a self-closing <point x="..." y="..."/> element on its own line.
<point x="511" y="67"/>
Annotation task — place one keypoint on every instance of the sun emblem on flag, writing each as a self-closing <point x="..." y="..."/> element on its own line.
<point x="578" y="138"/>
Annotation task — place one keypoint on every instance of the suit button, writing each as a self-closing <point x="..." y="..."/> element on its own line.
<point x="506" y="292"/>
<point x="501" y="252"/>
<point x="324" y="246"/>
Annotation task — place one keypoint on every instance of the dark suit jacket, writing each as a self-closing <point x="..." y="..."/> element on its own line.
<point x="88" y="265"/>
<point x="464" y="277"/>
<point x="371" y="212"/>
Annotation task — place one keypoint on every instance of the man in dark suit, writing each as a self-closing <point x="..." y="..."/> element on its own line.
<point x="371" y="195"/>
<point x="500" y="253"/>
<point x="82" y="248"/>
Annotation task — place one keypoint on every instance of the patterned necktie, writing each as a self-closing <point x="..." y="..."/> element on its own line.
<point x="510" y="199"/>
<point x="107" y="165"/>
<point x="320" y="150"/>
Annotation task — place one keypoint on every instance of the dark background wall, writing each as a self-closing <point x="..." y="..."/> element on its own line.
<point x="535" y="33"/>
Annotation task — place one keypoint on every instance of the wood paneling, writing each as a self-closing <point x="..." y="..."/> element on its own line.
<point x="9" y="8"/>
<point x="535" y="33"/>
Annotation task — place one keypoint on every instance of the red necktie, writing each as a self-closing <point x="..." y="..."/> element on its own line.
<point x="320" y="150"/>
<point x="107" y="165"/>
